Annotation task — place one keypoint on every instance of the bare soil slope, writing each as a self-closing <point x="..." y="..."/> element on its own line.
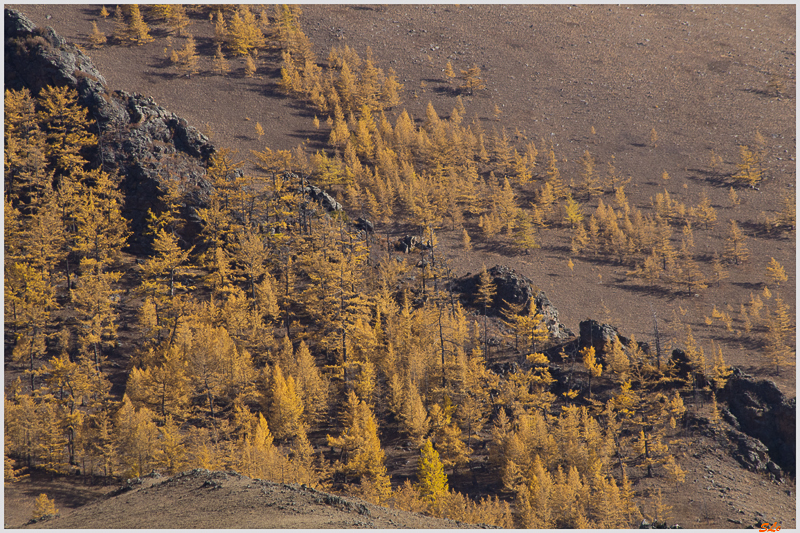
<point x="220" y="500"/>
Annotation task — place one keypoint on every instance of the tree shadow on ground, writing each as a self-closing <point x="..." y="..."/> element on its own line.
<point x="715" y="179"/>
<point x="651" y="290"/>
<point x="748" y="285"/>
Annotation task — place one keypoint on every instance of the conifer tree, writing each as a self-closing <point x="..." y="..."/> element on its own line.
<point x="485" y="297"/>
<point x="161" y="270"/>
<point x="93" y="299"/>
<point x="471" y="80"/>
<point x="449" y="73"/>
<point x="249" y="67"/>
<point x="44" y="507"/>
<point x="524" y="233"/>
<point x="177" y="19"/>
<point x="705" y="213"/>
<point x="243" y="32"/>
<point x="574" y="211"/>
<point x="170" y="453"/>
<point x="591" y="182"/>
<point x="432" y="481"/>
<point x="138" y="30"/>
<point x="136" y="437"/>
<point x="447" y="436"/>
<point x="66" y="125"/>
<point x="186" y="59"/>
<point x="286" y="409"/>
<point x="311" y="384"/>
<point x="220" y="63"/>
<point x="594" y="368"/>
<point x="775" y="272"/>
<point x="735" y="248"/>
<point x="413" y="416"/>
<point x="97" y="38"/>
<point x="749" y="167"/>
<point x="390" y="91"/>
<point x="360" y="442"/>
<point x="120" y="33"/>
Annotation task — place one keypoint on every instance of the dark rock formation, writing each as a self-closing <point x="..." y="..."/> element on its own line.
<point x="763" y="412"/>
<point x="327" y="201"/>
<point x="516" y="289"/>
<point x="364" y="224"/>
<point x="602" y="336"/>
<point x="406" y="244"/>
<point x="680" y="361"/>
<point x="146" y="144"/>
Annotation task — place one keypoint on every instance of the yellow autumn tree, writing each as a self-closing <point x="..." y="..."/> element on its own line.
<point x="360" y="444"/>
<point x="432" y="481"/>
<point x="471" y="80"/>
<point x="43" y="507"/>
<point x="286" y="408"/>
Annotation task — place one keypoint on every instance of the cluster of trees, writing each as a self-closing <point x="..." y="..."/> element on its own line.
<point x="276" y="321"/>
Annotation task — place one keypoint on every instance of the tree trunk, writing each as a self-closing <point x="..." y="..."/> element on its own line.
<point x="441" y="340"/>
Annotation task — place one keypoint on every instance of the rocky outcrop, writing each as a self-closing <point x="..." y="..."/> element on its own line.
<point x="515" y="289"/>
<point x="146" y="144"/>
<point x="763" y="412"/>
<point x="603" y="336"/>
<point x="327" y="201"/>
